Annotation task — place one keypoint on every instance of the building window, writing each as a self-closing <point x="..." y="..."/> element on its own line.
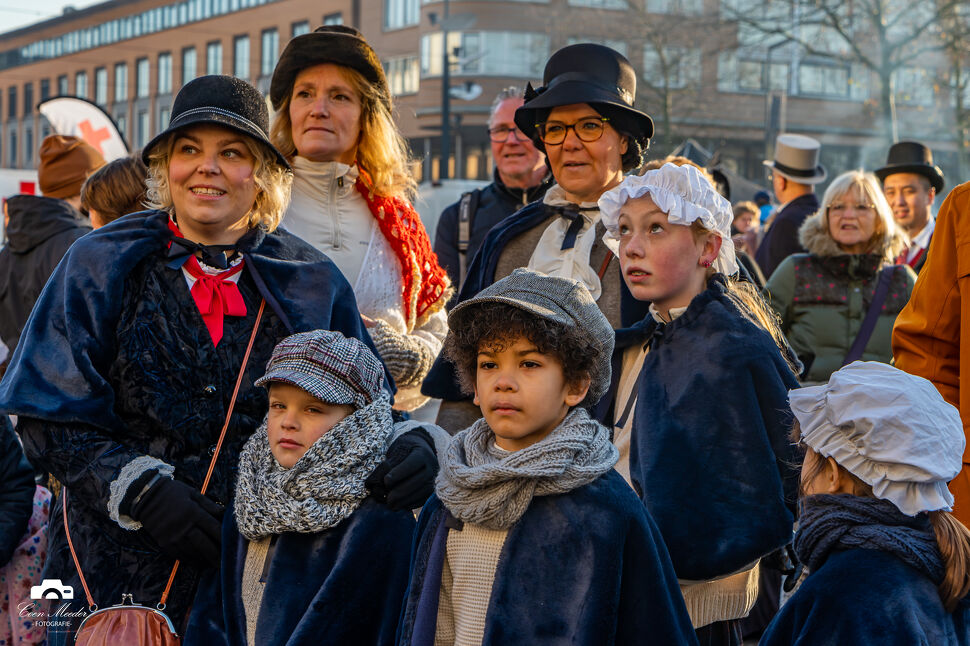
<point x="403" y="74"/>
<point x="300" y="28"/>
<point x="188" y="64"/>
<point x="336" y="19"/>
<point x="165" y="73"/>
<point x="672" y="68"/>
<point x="28" y="145"/>
<point x="141" y="78"/>
<point x="914" y="86"/>
<point x="600" y="4"/>
<point x="81" y="85"/>
<point x="101" y="86"/>
<point x="829" y="80"/>
<point x="28" y="98"/>
<point x="62" y="85"/>
<point x="676" y="7"/>
<point x="45" y="89"/>
<point x="122" y="122"/>
<point x="400" y="13"/>
<point x="12" y="102"/>
<point x="240" y="50"/>
<point x="143" y="127"/>
<point x="164" y="116"/>
<point x="121" y="82"/>
<point x="612" y="43"/>
<point x="488" y="53"/>
<point x="741" y="71"/>
<point x="270" y="51"/>
<point x="213" y="58"/>
<point x="12" y="148"/>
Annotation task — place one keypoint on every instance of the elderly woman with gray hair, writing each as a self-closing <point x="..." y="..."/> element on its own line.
<point x="125" y="376"/>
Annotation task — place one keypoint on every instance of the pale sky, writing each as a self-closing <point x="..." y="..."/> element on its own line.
<point x="16" y="13"/>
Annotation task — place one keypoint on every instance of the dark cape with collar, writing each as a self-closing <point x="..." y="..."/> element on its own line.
<point x="587" y="567"/>
<point x="116" y="364"/>
<point x="781" y="240"/>
<point x="867" y="597"/>
<point x="344" y="585"/>
<point x="442" y="380"/>
<point x="709" y="451"/>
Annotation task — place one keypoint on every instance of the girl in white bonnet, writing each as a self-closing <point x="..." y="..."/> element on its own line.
<point x="888" y="562"/>
<point x="699" y="404"/>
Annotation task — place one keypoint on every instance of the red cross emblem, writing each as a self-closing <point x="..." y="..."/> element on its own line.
<point x="92" y="136"/>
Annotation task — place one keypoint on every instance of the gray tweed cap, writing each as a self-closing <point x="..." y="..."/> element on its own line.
<point x="562" y="300"/>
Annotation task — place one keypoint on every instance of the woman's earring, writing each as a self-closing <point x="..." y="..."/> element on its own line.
<point x="708" y="263"/>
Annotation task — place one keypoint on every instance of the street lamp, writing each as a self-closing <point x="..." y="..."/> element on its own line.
<point x="447" y="23"/>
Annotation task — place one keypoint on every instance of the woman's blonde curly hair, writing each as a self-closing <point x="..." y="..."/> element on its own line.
<point x="382" y="153"/>
<point x="272" y="180"/>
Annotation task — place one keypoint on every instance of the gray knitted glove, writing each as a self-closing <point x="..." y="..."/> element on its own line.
<point x="407" y="358"/>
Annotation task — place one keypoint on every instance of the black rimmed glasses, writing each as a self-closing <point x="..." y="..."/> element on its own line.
<point x="500" y="134"/>
<point x="553" y="133"/>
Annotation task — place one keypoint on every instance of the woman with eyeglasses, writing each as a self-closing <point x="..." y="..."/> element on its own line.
<point x="824" y="297"/>
<point x="351" y="189"/>
<point x="584" y="119"/>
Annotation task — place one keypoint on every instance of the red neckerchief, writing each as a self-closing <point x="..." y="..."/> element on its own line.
<point x="214" y="295"/>
<point x="901" y="260"/>
<point x="426" y="285"/>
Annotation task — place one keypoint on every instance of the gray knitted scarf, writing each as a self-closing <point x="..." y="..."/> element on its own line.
<point x="479" y="484"/>
<point x="323" y="488"/>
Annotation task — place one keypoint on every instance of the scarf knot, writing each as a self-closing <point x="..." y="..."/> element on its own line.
<point x="216" y="296"/>
<point x="841" y="522"/>
<point x="479" y="483"/>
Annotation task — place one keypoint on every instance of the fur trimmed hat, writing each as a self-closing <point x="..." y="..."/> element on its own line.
<point x="337" y="44"/>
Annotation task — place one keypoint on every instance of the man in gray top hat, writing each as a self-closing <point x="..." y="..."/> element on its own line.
<point x="794" y="173"/>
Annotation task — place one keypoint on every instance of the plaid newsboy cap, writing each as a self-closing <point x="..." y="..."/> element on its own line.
<point x="329" y="366"/>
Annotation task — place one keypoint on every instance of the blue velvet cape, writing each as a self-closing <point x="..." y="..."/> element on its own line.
<point x="344" y="585"/>
<point x="58" y="372"/>
<point x="442" y="380"/>
<point x="866" y="597"/>
<point x="587" y="567"/>
<point x="709" y="452"/>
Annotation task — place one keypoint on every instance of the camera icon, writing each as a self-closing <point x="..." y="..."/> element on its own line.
<point x="51" y="589"/>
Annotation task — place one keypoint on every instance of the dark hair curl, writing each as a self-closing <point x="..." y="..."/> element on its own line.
<point x="499" y="325"/>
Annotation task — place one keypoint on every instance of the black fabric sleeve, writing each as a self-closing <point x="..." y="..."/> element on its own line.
<point x="446" y="242"/>
<point x="16" y="491"/>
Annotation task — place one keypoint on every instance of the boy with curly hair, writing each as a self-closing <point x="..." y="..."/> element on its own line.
<point x="531" y="536"/>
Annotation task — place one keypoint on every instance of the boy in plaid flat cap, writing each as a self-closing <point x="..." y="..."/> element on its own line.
<point x="308" y="557"/>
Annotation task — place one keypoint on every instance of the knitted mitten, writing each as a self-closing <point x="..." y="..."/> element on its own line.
<point x="407" y="358"/>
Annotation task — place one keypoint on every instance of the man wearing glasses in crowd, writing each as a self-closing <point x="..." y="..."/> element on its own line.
<point x="520" y="176"/>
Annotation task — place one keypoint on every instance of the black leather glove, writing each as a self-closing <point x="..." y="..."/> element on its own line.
<point x="405" y="479"/>
<point x="185" y="524"/>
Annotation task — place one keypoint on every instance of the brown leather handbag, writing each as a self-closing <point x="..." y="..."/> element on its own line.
<point x="130" y="624"/>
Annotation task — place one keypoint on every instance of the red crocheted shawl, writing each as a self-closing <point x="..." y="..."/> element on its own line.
<point x="426" y="287"/>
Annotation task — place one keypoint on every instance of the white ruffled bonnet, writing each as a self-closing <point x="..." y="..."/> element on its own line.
<point x="685" y="195"/>
<point x="890" y="429"/>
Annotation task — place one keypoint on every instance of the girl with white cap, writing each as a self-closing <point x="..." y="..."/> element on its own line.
<point x="888" y="562"/>
<point x="699" y="395"/>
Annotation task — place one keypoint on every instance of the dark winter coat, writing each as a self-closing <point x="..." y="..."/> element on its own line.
<point x="823" y="296"/>
<point x="116" y="364"/>
<point x="16" y="491"/>
<point x="39" y="233"/>
<point x="584" y="568"/>
<point x="442" y="380"/>
<point x="710" y="435"/>
<point x="781" y="240"/>
<point x="866" y="597"/>
<point x="340" y="586"/>
<point x="495" y="202"/>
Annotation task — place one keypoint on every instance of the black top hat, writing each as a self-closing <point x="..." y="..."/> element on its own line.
<point x="912" y="157"/>
<point x="328" y="44"/>
<point x="586" y="73"/>
<point x="224" y="101"/>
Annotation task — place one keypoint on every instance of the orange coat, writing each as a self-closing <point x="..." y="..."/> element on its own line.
<point x="932" y="333"/>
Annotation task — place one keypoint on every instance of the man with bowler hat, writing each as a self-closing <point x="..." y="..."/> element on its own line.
<point x="40" y="229"/>
<point x="911" y="182"/>
<point x="794" y="173"/>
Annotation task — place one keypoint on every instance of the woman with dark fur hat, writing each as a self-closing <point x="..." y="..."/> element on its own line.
<point x="584" y="119"/>
<point x="351" y="190"/>
<point x="126" y="370"/>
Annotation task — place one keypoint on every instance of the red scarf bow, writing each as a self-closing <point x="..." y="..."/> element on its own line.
<point x="214" y="294"/>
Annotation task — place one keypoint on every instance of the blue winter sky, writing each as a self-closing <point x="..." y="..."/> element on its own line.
<point x="15" y="14"/>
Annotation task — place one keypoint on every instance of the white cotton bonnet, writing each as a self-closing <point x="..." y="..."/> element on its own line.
<point x="685" y="195"/>
<point x="890" y="429"/>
